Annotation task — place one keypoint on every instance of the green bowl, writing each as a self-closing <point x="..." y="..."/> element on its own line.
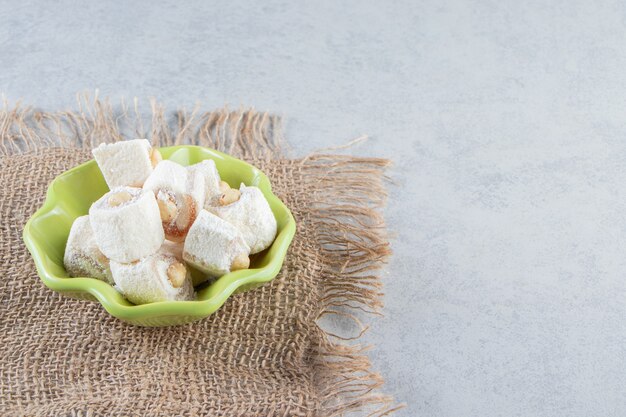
<point x="71" y="194"/>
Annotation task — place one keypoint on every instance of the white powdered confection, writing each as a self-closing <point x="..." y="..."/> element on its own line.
<point x="167" y="175"/>
<point x="82" y="256"/>
<point x="180" y="194"/>
<point x="147" y="281"/>
<point x="211" y="176"/>
<point x="252" y="216"/>
<point x="213" y="244"/>
<point x="129" y="230"/>
<point x="196" y="187"/>
<point x="125" y="163"/>
<point x="174" y="249"/>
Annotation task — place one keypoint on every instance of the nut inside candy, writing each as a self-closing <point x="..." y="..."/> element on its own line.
<point x="230" y="196"/>
<point x="167" y="207"/>
<point x="187" y="211"/>
<point x="224" y="187"/>
<point x="155" y="157"/>
<point x="241" y="261"/>
<point x="176" y="274"/>
<point x="118" y="198"/>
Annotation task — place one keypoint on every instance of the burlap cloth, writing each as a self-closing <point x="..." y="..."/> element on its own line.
<point x="262" y="354"/>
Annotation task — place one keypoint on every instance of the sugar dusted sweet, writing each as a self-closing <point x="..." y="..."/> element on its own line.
<point x="126" y="224"/>
<point x="158" y="277"/>
<point x="180" y="196"/>
<point x="211" y="176"/>
<point x="82" y="256"/>
<point x="126" y="163"/>
<point x="252" y="216"/>
<point x="174" y="249"/>
<point x="214" y="246"/>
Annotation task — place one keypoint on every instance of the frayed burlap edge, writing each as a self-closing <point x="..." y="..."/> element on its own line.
<point x="245" y="133"/>
<point x="349" y="226"/>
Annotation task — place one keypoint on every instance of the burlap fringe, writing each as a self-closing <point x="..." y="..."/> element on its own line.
<point x="354" y="246"/>
<point x="350" y="229"/>
<point x="243" y="132"/>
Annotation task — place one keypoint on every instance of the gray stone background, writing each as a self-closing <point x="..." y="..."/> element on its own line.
<point x="506" y="121"/>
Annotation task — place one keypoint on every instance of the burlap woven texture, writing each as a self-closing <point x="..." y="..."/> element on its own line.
<point x="261" y="354"/>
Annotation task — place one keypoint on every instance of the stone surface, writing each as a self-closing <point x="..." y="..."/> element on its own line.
<point x="506" y="121"/>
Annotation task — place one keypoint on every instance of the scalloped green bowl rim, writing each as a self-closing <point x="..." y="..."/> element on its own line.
<point x="70" y="195"/>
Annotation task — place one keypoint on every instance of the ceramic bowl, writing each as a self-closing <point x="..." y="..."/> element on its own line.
<point x="71" y="194"/>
